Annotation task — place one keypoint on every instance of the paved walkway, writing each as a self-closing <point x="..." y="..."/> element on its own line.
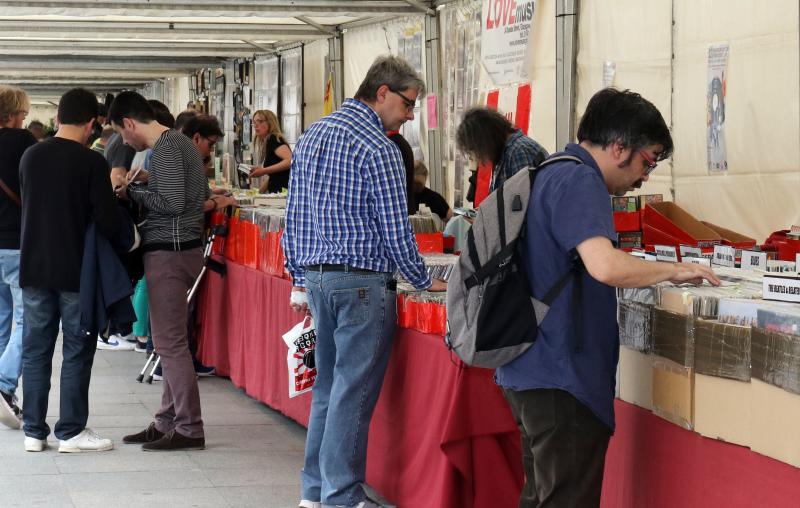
<point x="253" y="454"/>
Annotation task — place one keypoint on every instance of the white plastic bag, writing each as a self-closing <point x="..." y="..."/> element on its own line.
<point x="302" y="342"/>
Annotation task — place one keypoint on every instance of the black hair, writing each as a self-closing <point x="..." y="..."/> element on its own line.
<point x="35" y="123"/>
<point x="162" y="114"/>
<point x="102" y="110"/>
<point x="483" y="133"/>
<point x="625" y="117"/>
<point x="130" y="105"/>
<point x="205" y="125"/>
<point x="77" y="107"/>
<point x="391" y="71"/>
<point x="183" y="117"/>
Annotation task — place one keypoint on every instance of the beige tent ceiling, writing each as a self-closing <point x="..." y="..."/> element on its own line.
<point x="49" y="46"/>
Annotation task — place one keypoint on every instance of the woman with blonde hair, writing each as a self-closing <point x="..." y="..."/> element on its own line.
<point x="14" y="140"/>
<point x="272" y="152"/>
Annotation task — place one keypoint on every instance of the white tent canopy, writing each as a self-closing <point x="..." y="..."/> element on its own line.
<point x="48" y="46"/>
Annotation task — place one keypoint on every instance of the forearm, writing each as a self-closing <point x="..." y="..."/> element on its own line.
<point x="626" y="271"/>
<point x="275" y="168"/>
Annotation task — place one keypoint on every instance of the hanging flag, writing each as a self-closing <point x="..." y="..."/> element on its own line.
<point x="327" y="103"/>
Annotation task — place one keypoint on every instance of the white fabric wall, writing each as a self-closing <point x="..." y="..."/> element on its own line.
<point x="41" y="112"/>
<point x="314" y="80"/>
<point x="636" y="36"/>
<point x="760" y="192"/>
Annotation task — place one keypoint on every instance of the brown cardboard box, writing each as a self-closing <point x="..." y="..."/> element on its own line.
<point x="775" y="415"/>
<point x="722" y="409"/>
<point x="636" y="377"/>
<point x="673" y="392"/>
<point x="675" y="299"/>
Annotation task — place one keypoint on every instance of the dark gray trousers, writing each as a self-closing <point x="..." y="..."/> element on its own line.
<point x="563" y="449"/>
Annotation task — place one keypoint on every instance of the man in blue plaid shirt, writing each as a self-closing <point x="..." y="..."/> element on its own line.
<point x="347" y="232"/>
<point x="487" y="136"/>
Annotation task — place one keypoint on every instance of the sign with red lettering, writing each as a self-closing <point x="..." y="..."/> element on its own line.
<point x="504" y="38"/>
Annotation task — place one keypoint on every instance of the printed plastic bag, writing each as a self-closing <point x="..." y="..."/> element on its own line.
<point x="301" y="341"/>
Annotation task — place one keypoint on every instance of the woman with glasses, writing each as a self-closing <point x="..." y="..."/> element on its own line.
<point x="272" y="152"/>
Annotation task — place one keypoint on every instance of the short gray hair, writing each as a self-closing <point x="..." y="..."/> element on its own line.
<point x="391" y="71"/>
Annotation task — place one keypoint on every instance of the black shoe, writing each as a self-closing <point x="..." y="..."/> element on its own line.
<point x="148" y="435"/>
<point x="173" y="440"/>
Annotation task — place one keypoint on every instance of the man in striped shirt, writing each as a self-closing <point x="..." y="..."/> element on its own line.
<point x="171" y="240"/>
<point x="347" y="231"/>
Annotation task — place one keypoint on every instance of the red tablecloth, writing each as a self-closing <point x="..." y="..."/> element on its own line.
<point x="442" y="436"/>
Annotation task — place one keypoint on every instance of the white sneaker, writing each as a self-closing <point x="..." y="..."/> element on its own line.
<point x="305" y="503"/>
<point x="8" y="416"/>
<point x="115" y="344"/>
<point x="129" y="338"/>
<point x="35" y="445"/>
<point x="86" y="441"/>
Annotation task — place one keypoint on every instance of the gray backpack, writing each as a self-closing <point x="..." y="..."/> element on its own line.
<point x="491" y="316"/>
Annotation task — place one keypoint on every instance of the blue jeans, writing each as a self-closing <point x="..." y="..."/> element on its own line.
<point x="355" y="315"/>
<point x="43" y="309"/>
<point x="10" y="311"/>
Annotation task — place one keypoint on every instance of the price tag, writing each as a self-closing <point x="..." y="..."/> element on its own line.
<point x="724" y="256"/>
<point x="754" y="260"/>
<point x="666" y="253"/>
<point x="781" y="288"/>
<point x="697" y="261"/>
<point x="797" y="262"/>
<point x="692" y="252"/>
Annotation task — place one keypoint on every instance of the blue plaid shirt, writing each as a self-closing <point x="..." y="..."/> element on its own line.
<point x="520" y="152"/>
<point x="347" y="199"/>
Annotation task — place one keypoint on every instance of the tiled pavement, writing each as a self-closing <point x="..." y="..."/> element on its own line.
<point x="253" y="454"/>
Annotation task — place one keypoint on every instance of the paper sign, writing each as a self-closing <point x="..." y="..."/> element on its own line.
<point x="797" y="260"/>
<point x="609" y="71"/>
<point x="506" y="28"/>
<point x="724" y="256"/>
<point x="433" y="117"/>
<point x="754" y="260"/>
<point x="666" y="253"/>
<point x="692" y="252"/>
<point x="776" y="265"/>
<point x="696" y="261"/>
<point x="650" y="257"/>
<point x="781" y="288"/>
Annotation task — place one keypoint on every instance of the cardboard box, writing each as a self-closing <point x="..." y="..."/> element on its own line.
<point x="722" y="409"/>
<point x="635" y="322"/>
<point x="775" y="414"/>
<point x="722" y="350"/>
<point x="775" y="359"/>
<point x="732" y="238"/>
<point x="636" y="377"/>
<point x="673" y="336"/>
<point x="675" y="299"/>
<point x="673" y="392"/>
<point x="668" y="224"/>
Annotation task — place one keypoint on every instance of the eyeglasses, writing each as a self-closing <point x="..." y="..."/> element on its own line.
<point x="408" y="102"/>
<point x="651" y="163"/>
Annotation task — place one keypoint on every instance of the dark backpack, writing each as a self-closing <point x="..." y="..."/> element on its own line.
<point x="491" y="316"/>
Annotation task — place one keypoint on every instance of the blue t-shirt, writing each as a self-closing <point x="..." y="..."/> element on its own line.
<point x="569" y="204"/>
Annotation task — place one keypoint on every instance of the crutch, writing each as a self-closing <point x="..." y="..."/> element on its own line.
<point x="220" y="230"/>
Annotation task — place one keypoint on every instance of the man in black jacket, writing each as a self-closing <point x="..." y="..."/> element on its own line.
<point x="65" y="186"/>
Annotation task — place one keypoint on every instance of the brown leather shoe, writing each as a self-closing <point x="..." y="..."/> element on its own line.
<point x="173" y="440"/>
<point x="148" y="435"/>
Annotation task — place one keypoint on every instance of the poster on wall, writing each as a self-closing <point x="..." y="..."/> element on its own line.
<point x="514" y="102"/>
<point x="715" y="109"/>
<point x="504" y="38"/>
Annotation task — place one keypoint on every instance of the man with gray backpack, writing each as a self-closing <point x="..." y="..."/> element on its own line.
<point x="533" y="294"/>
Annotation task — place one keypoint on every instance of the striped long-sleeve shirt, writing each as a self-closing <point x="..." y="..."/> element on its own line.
<point x="174" y="195"/>
<point x="347" y="199"/>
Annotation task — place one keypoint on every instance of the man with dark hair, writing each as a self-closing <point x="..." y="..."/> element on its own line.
<point x="64" y="186"/>
<point x="347" y="231"/>
<point x="183" y="118"/>
<point x="37" y="129"/>
<point x="561" y="390"/>
<point x="161" y="113"/>
<point x="205" y="133"/>
<point x="488" y="137"/>
<point x="171" y="241"/>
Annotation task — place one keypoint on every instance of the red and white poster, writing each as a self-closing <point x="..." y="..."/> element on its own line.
<point x="506" y="28"/>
